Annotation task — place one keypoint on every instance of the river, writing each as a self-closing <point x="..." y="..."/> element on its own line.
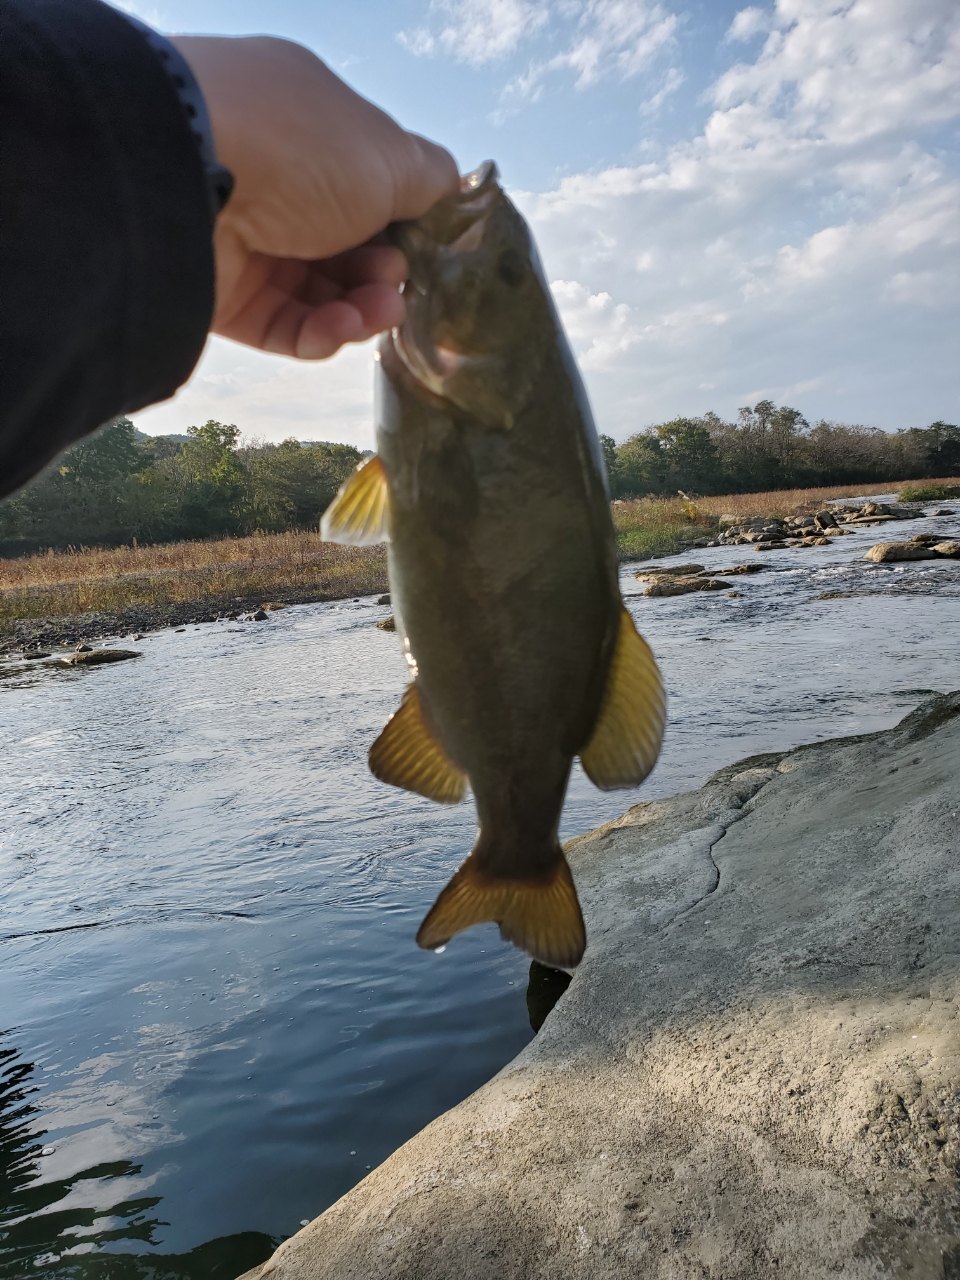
<point x="213" y="1016"/>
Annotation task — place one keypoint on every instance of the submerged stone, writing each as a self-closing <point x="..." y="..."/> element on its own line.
<point x="94" y="657"/>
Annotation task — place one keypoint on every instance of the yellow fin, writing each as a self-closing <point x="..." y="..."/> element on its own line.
<point x="408" y="755"/>
<point x="626" y="739"/>
<point x="359" y="514"/>
<point x="541" y="917"/>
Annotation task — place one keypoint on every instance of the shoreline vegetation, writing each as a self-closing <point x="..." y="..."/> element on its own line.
<point x="79" y="594"/>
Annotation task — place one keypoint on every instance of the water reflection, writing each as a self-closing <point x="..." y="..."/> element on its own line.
<point x="544" y="988"/>
<point x="51" y="1229"/>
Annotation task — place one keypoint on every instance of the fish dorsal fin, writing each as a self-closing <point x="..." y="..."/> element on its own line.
<point x="540" y="916"/>
<point x="408" y="755"/>
<point x="626" y="739"/>
<point x="359" y="514"/>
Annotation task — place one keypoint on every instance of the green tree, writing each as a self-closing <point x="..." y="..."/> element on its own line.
<point x="608" y="447"/>
<point x="692" y="460"/>
<point x="207" y="483"/>
<point x="639" y="467"/>
<point x="940" y="443"/>
<point x="292" y="484"/>
<point x="89" y="493"/>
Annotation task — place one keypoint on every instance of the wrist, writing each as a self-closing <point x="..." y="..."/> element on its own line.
<point x="190" y="96"/>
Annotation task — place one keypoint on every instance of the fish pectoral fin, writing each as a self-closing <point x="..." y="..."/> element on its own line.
<point x="360" y="513"/>
<point x="626" y="739"/>
<point x="540" y="916"/>
<point x="408" y="755"/>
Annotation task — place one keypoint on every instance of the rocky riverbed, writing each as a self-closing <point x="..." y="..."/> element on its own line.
<point x="755" y="1071"/>
<point x="30" y="634"/>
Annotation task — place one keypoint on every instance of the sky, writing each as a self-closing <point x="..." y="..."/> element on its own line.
<point x="732" y="204"/>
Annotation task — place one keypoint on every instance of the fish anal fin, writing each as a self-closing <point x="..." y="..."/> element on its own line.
<point x="540" y="916"/>
<point x="408" y="755"/>
<point x="625" y="741"/>
<point x="360" y="513"/>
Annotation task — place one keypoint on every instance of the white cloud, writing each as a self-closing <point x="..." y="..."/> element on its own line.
<point x="601" y="38"/>
<point x="671" y="83"/>
<point x="821" y="135"/>
<point x="273" y="398"/>
<point x="614" y="38"/>
<point x="748" y="23"/>
<point x="149" y="14"/>
<point x="804" y="245"/>
<point x="476" y="31"/>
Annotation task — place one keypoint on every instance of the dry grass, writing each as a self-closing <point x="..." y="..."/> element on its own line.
<point x="292" y="566"/>
<point x="786" y="502"/>
<point x="67" y="583"/>
<point x="659" y="526"/>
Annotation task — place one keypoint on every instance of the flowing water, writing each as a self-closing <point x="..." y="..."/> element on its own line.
<point x="213" y="1016"/>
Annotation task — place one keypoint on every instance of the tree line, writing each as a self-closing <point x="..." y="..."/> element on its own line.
<point x="119" y="485"/>
<point x="771" y="447"/>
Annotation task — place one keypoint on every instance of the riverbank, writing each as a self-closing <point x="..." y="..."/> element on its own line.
<point x="84" y="594"/>
<point x="88" y="594"/>
<point x="755" y="1070"/>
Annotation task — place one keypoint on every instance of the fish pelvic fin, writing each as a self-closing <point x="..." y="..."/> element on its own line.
<point x="407" y="754"/>
<point x="626" y="739"/>
<point x="540" y="916"/>
<point x="360" y="513"/>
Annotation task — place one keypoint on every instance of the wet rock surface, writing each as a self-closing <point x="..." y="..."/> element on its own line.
<point x="740" y="568"/>
<point x="825" y="524"/>
<point x="886" y="551"/>
<point x="670" y="586"/>
<point x="656" y="571"/>
<point x="94" y="657"/>
<point x="755" y="1070"/>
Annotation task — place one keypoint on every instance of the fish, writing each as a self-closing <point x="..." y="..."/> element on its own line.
<point x="489" y="488"/>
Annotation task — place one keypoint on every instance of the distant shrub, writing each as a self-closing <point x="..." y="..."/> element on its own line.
<point x="928" y="492"/>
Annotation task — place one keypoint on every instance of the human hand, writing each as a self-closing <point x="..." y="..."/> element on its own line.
<point x="319" y="172"/>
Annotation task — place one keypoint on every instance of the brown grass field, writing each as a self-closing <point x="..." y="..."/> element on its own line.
<point x="292" y="567"/>
<point x="283" y="566"/>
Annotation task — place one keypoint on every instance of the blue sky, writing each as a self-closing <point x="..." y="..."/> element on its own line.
<point x="732" y="203"/>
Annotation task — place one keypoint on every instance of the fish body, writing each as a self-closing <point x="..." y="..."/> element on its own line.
<point x="503" y="569"/>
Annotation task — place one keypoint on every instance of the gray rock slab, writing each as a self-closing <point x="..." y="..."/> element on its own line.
<point x="755" y="1071"/>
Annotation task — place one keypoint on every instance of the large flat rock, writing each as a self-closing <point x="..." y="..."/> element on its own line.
<point x="756" y="1069"/>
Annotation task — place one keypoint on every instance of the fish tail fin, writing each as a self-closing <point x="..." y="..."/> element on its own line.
<point x="539" y="915"/>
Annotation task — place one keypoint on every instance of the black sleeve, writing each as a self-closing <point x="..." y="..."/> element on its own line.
<point x="106" y="256"/>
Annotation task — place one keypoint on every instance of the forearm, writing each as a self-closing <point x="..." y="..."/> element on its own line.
<point x="106" y="252"/>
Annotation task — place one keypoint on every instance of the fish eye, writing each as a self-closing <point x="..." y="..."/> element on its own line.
<point x="511" y="268"/>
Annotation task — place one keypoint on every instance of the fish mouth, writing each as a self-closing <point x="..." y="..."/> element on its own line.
<point x="454" y="225"/>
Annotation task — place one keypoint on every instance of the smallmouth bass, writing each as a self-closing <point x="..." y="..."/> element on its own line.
<point x="489" y="487"/>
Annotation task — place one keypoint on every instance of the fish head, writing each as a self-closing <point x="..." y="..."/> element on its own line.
<point x="480" y="319"/>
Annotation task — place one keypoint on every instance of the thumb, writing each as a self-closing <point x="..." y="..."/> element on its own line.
<point x="423" y="174"/>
